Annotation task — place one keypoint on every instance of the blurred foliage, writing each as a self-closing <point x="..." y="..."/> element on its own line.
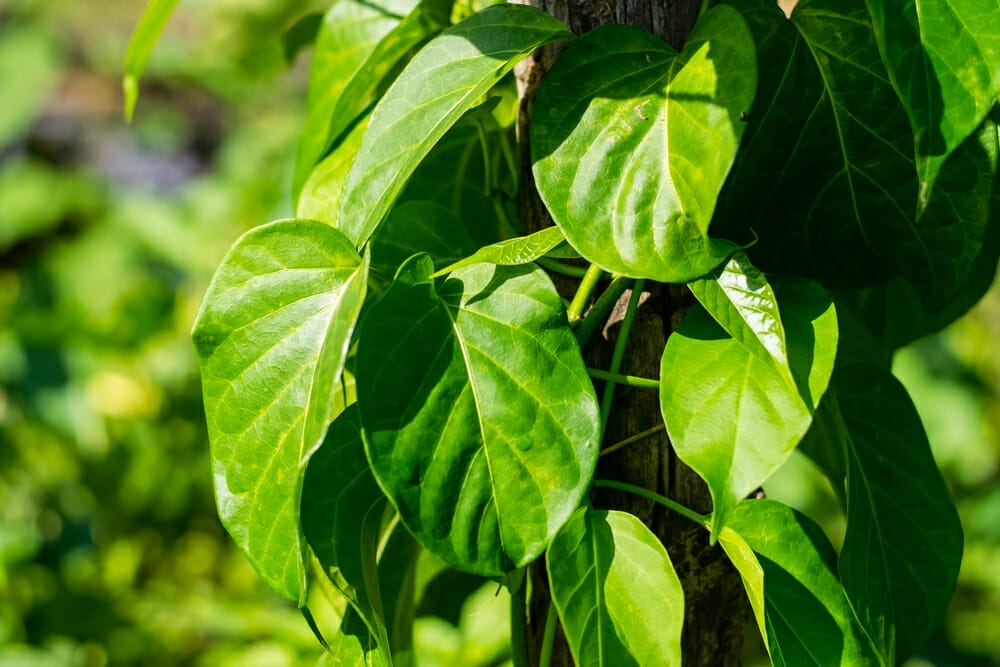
<point x="110" y="550"/>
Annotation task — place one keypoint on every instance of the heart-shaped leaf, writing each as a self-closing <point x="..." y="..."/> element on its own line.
<point x="843" y="211"/>
<point x="631" y="143"/>
<point x="479" y="419"/>
<point x="808" y="619"/>
<point x="619" y="600"/>
<point x="732" y="415"/>
<point x="444" y="80"/>
<point x="903" y="546"/>
<point x="943" y="58"/>
<point x="272" y="336"/>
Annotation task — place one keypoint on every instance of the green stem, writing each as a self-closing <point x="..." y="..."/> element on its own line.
<point x="565" y="269"/>
<point x="548" y="636"/>
<point x="632" y="438"/>
<point x="628" y="380"/>
<point x="599" y="311"/>
<point x="487" y="162"/>
<point x="583" y="292"/>
<point x="619" y="353"/>
<point x="518" y="623"/>
<point x="656" y="498"/>
<point x="508" y="157"/>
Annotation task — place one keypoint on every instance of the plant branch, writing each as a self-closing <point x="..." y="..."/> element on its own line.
<point x="619" y="353"/>
<point x="628" y="380"/>
<point x="583" y="292"/>
<point x="633" y="438"/>
<point x="599" y="311"/>
<point x="656" y="498"/>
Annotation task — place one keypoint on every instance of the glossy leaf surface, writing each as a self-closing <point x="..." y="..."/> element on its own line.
<point x="619" y="600"/>
<point x="513" y="252"/>
<point x="479" y="419"/>
<point x="144" y="38"/>
<point x="272" y="336"/>
<point x="745" y="561"/>
<point x="349" y="35"/>
<point x="732" y="415"/>
<point x="631" y="143"/>
<point x="809" y="621"/>
<point x="903" y="546"/>
<point x="445" y="79"/>
<point x="943" y="58"/>
<point x="319" y="198"/>
<point x="826" y="179"/>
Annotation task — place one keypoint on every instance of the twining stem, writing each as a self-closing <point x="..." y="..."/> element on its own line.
<point x="594" y="320"/>
<point x="487" y="161"/>
<point x="656" y="498"/>
<point x="619" y="353"/>
<point x="518" y="623"/>
<point x="628" y="380"/>
<point x="548" y="637"/>
<point x="583" y="292"/>
<point x="633" y="438"/>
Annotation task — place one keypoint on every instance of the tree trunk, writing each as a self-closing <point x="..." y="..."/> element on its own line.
<point x="716" y="610"/>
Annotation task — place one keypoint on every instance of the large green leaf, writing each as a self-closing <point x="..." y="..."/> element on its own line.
<point x="733" y="416"/>
<point x="144" y="38"/>
<point x="631" y="143"/>
<point x="903" y="546"/>
<point x="943" y="58"/>
<point x="348" y="38"/>
<point x="272" y="336"/>
<point x="479" y="419"/>
<point x="619" y="600"/>
<point x="445" y="79"/>
<point x="343" y="519"/>
<point x="745" y="561"/>
<point x="741" y="299"/>
<point x="809" y="621"/>
<point x="826" y="179"/>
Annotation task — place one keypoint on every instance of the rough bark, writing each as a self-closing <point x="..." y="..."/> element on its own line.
<point x="716" y="613"/>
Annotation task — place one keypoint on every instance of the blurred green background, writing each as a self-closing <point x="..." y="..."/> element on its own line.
<point x="110" y="552"/>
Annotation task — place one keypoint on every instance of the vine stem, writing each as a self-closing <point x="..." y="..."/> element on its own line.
<point x="561" y="267"/>
<point x="632" y="438"/>
<point x="619" y="353"/>
<point x="518" y="622"/>
<point x="599" y="311"/>
<point x="628" y="380"/>
<point x="583" y="292"/>
<point x="548" y="637"/>
<point x="656" y="498"/>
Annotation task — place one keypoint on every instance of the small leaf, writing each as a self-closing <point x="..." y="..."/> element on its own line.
<point x="144" y="37"/>
<point x="445" y="79"/>
<point x="741" y="299"/>
<point x="631" y="143"/>
<point x="512" y="252"/>
<point x="619" y="600"/>
<point x="943" y="59"/>
<point x="272" y="336"/>
<point x="733" y="416"/>
<point x="903" y="546"/>
<point x="809" y="621"/>
<point x="479" y="419"/>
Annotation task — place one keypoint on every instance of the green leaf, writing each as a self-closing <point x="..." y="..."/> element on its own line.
<point x="479" y="419"/>
<point x="741" y="299"/>
<point x="419" y="226"/>
<point x="343" y="519"/>
<point x="903" y="546"/>
<point x="301" y="35"/>
<point x="619" y="600"/>
<point x="144" y="37"/>
<point x="631" y="143"/>
<point x="751" y="573"/>
<point x="732" y="415"/>
<point x="445" y="79"/>
<point x="826" y="179"/>
<point x="943" y="58"/>
<point x="272" y="336"/>
<point x="512" y="252"/>
<point x="350" y="33"/>
<point x="809" y="621"/>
